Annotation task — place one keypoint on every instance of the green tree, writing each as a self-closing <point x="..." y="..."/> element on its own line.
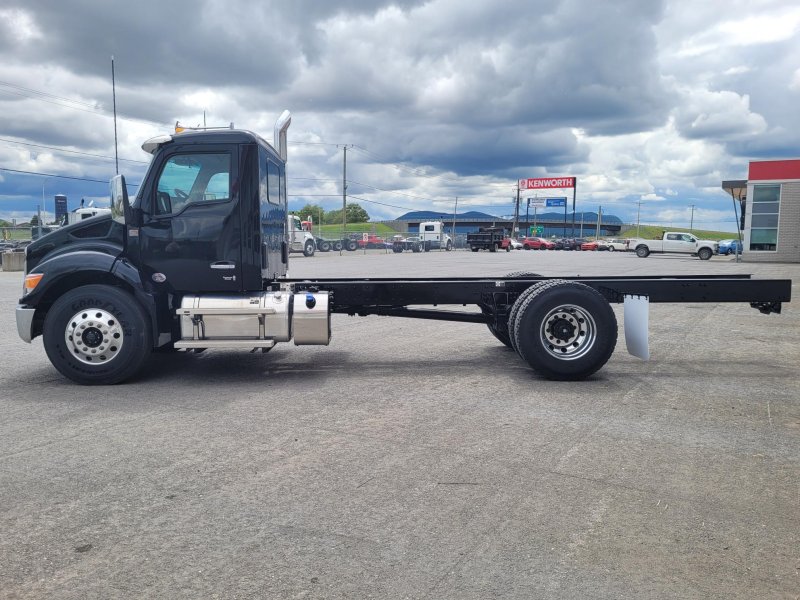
<point x="315" y="211"/>
<point x="34" y="220"/>
<point x="355" y="214"/>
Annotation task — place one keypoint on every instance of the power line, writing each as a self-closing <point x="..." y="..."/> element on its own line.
<point x="96" y="110"/>
<point x="391" y="192"/>
<point x="57" y="149"/>
<point x="62" y="176"/>
<point x="381" y="203"/>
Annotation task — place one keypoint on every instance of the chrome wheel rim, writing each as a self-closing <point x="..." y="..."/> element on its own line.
<point x="94" y="336"/>
<point x="568" y="332"/>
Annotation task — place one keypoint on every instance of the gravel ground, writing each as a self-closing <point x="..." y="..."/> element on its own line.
<point x="415" y="459"/>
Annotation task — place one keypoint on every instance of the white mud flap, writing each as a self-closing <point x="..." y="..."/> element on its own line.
<point x="637" y="310"/>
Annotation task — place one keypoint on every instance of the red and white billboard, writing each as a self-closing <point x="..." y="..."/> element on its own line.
<point x="543" y="183"/>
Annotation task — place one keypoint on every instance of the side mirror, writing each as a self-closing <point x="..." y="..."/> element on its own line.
<point x="119" y="198"/>
<point x="121" y="210"/>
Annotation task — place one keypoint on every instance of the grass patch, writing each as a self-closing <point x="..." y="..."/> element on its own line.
<point x="335" y="231"/>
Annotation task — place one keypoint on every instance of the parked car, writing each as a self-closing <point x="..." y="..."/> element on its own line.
<point x="618" y="244"/>
<point x="515" y="244"/>
<point x="537" y="243"/>
<point x="730" y="246"/>
<point x="573" y="243"/>
<point x="591" y="245"/>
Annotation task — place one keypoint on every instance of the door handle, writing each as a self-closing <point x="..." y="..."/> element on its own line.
<point x="223" y="265"/>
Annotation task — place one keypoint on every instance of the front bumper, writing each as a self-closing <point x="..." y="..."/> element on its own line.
<point x="25" y="322"/>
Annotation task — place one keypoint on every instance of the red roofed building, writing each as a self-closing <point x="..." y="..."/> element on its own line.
<point x="770" y="203"/>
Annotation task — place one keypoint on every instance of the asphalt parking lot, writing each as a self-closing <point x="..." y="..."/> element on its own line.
<point x="416" y="459"/>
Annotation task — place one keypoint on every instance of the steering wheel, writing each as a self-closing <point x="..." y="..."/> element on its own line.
<point x="181" y="194"/>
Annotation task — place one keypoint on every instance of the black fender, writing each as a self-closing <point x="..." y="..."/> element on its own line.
<point x="69" y="270"/>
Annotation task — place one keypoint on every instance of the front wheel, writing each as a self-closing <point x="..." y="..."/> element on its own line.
<point x="611" y="248"/>
<point x="449" y="246"/>
<point x="308" y="248"/>
<point x="704" y="253"/>
<point x="642" y="252"/>
<point x="97" y="335"/>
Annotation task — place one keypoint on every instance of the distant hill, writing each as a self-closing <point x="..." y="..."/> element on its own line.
<point x="429" y="215"/>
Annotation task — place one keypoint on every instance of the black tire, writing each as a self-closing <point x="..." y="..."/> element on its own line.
<point x="337" y="246"/>
<point x="642" y="251"/>
<point x="351" y="246"/>
<point x="449" y="246"/>
<point x="705" y="253"/>
<point x="397" y="249"/>
<point x="309" y="248"/>
<point x="611" y="248"/>
<point x="325" y="246"/>
<point x="502" y="333"/>
<point x="564" y="330"/>
<point x="493" y="248"/>
<point x="116" y="339"/>
<point x="474" y="249"/>
<point x="508" y="248"/>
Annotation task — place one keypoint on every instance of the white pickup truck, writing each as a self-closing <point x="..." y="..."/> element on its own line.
<point x="675" y="242"/>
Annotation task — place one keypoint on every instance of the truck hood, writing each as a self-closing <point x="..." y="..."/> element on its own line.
<point x="99" y="234"/>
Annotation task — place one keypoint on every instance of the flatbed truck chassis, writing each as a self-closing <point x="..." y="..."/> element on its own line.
<point x="180" y="269"/>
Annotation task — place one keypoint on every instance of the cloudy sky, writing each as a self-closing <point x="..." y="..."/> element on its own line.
<point x="650" y="104"/>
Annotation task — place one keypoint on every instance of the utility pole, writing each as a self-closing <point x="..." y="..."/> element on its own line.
<point x="638" y="214"/>
<point x="691" y="223"/>
<point x="344" y="197"/>
<point x="599" y="223"/>
<point x="455" y="211"/>
<point x="515" y="228"/>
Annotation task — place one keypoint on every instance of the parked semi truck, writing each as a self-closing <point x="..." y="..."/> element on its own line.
<point x="675" y="242"/>
<point x="182" y="268"/>
<point x="431" y="237"/>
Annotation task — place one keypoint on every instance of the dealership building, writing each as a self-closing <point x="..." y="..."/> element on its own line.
<point x="768" y="204"/>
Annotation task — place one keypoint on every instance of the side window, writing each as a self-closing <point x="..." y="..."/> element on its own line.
<point x="274" y="182"/>
<point x="672" y="236"/>
<point x="687" y="238"/>
<point x="192" y="178"/>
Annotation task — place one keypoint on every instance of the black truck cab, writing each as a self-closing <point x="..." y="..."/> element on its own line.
<point x="210" y="215"/>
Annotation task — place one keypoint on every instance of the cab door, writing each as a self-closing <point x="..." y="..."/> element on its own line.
<point x="190" y="238"/>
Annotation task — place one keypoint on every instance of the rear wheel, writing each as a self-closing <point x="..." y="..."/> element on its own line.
<point x="324" y="246"/>
<point x="474" y="248"/>
<point x="351" y="245"/>
<point x="564" y="330"/>
<point x="642" y="251"/>
<point x="704" y="253"/>
<point x="337" y="246"/>
<point x="97" y="335"/>
<point x="611" y="248"/>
